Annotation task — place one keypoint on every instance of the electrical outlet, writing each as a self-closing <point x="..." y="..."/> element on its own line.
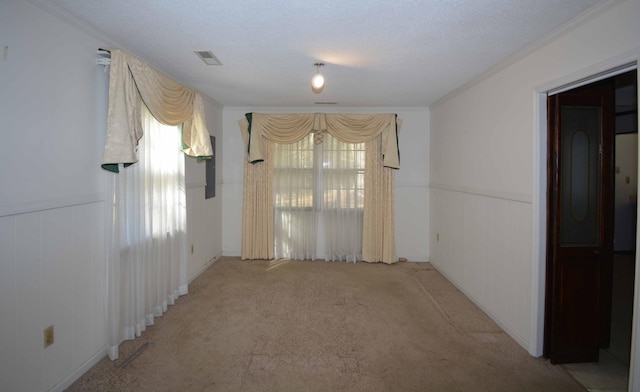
<point x="191" y="248"/>
<point x="48" y="336"/>
<point x="437" y="237"/>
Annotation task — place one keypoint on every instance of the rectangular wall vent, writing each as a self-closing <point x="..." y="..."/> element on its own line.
<point x="208" y="57"/>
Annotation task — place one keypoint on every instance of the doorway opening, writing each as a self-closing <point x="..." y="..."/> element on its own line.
<point x="600" y="268"/>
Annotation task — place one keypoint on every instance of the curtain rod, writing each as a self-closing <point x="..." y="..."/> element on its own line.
<point x="104" y="57"/>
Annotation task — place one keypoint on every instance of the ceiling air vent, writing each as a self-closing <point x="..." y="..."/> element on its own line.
<point x="208" y="58"/>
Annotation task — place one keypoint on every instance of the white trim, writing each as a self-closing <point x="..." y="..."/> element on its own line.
<point x="79" y="371"/>
<point x="205" y="266"/>
<point x="593" y="78"/>
<point x="538" y="219"/>
<point x="566" y="28"/>
<point x="230" y="253"/>
<point x="8" y="209"/>
<point x="634" y="365"/>
<point x="69" y="18"/>
<point x="521" y="340"/>
<point x="599" y="70"/>
<point x="414" y="258"/>
<point x="517" y="197"/>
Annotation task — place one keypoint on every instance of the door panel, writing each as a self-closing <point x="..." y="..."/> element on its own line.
<point x="580" y="176"/>
<point x="576" y="337"/>
<point x="579" y="221"/>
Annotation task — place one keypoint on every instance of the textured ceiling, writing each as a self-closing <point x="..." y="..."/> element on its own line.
<point x="377" y="52"/>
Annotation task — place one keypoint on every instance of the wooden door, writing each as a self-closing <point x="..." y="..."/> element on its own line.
<point x="579" y="223"/>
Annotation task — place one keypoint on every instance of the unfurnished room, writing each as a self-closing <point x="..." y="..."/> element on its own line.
<point x="362" y="195"/>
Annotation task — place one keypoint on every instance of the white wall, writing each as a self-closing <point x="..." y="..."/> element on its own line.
<point x="412" y="196"/>
<point x="52" y="194"/>
<point x="204" y="223"/>
<point x="52" y="106"/>
<point x="486" y="156"/>
<point x="626" y="193"/>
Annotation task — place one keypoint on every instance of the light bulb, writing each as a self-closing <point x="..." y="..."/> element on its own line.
<point x="318" y="81"/>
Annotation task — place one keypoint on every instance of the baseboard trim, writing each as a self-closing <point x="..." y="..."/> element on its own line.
<point x="79" y="371"/>
<point x="509" y="331"/>
<point x="415" y="259"/>
<point x="205" y="266"/>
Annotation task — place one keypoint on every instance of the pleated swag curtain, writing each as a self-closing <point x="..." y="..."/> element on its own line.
<point x="132" y="82"/>
<point x="379" y="132"/>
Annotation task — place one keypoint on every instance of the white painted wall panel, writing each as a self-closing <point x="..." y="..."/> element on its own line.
<point x="626" y="193"/>
<point x="482" y="248"/>
<point x="204" y="216"/>
<point x="98" y="280"/>
<point x="52" y="218"/>
<point x="8" y="306"/>
<point x="52" y="273"/>
<point x="51" y="199"/>
<point x="483" y="150"/>
<point x="81" y="265"/>
<point x="50" y="68"/>
<point x="232" y="216"/>
<point x="57" y="291"/>
<point x="29" y="324"/>
<point x="412" y="222"/>
<point x="202" y="234"/>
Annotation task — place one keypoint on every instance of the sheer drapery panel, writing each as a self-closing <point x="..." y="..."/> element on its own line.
<point x="295" y="206"/>
<point x="147" y="239"/>
<point x="343" y="193"/>
<point x="318" y="189"/>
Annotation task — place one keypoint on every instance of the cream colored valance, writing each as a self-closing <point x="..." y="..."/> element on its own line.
<point x="348" y="128"/>
<point x="133" y="82"/>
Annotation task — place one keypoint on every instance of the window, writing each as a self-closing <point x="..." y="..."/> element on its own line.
<point x="319" y="199"/>
<point x="149" y="234"/>
<point x="163" y="176"/>
<point x="343" y="174"/>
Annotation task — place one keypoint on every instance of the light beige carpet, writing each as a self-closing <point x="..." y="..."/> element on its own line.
<point x="317" y="326"/>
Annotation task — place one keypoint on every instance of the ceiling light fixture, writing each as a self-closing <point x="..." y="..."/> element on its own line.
<point x="317" y="82"/>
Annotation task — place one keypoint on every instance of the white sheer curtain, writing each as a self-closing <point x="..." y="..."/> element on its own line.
<point x="147" y="244"/>
<point x="295" y="214"/>
<point x="343" y="170"/>
<point x="319" y="197"/>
